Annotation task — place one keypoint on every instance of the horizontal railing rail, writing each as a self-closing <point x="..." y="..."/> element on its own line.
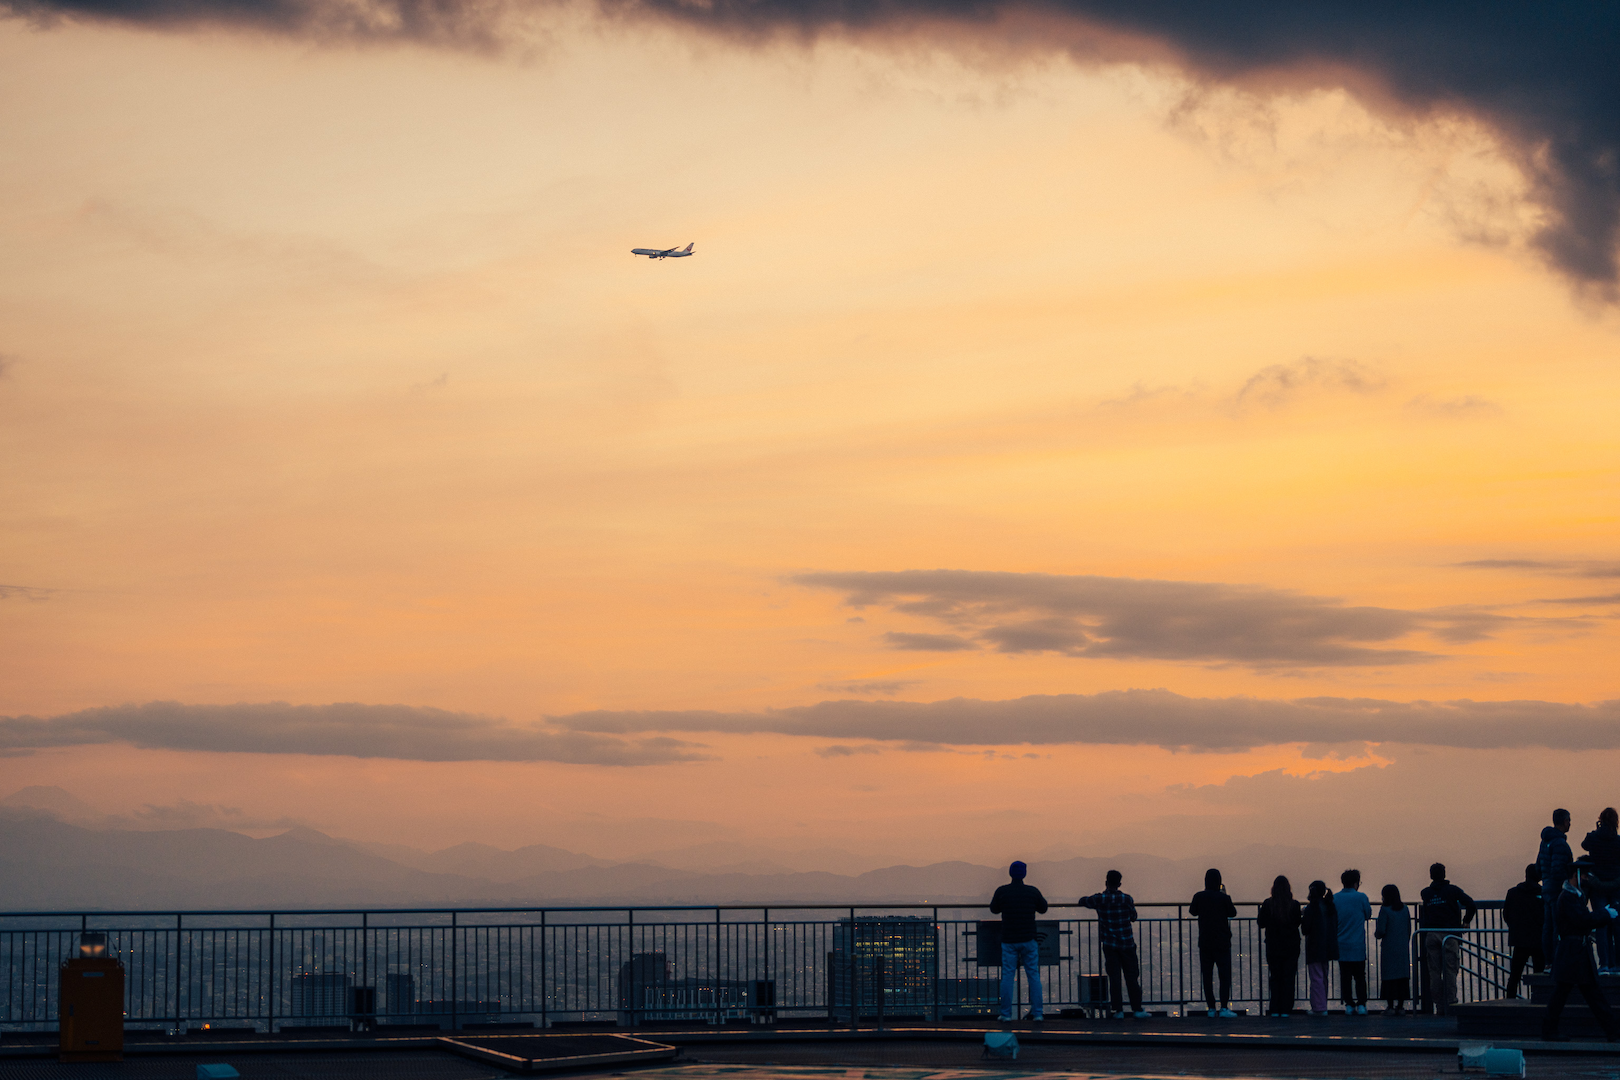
<point x="371" y="967"/>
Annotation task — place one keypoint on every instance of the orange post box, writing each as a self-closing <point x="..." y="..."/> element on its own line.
<point x="91" y="1004"/>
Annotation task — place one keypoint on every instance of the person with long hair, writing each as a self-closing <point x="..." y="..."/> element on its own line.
<point x="1280" y="919"/>
<point x="1394" y="934"/>
<point x="1320" y="925"/>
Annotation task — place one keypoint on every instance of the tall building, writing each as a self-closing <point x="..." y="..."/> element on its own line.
<point x="908" y="946"/>
<point x="399" y="995"/>
<point x="649" y="990"/>
<point x="320" y="993"/>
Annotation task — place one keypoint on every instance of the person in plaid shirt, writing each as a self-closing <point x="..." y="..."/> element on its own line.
<point x="1115" y="913"/>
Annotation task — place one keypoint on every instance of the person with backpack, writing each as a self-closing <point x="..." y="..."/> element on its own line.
<point x="1320" y="924"/>
<point x="1214" y="911"/>
<point x="1523" y="911"/>
<point x="1446" y="910"/>
<point x="1354" y="910"/>
<point x="1018" y="904"/>
<point x="1280" y="919"/>
<point x="1393" y="932"/>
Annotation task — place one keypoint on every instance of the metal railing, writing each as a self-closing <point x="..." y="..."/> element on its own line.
<point x="638" y="965"/>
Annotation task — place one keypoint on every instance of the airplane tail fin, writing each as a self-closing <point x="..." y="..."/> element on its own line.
<point x="692" y="245"/>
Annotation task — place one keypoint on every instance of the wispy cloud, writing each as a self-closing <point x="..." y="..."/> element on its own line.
<point x="25" y="592"/>
<point x="1151" y="718"/>
<point x="1120" y="618"/>
<point x="401" y="732"/>
<point x="1570" y="568"/>
<point x="887" y="687"/>
<point x="1277" y="385"/>
<point x="1464" y="407"/>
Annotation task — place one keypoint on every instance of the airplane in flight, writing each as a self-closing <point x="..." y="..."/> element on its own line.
<point x="665" y="253"/>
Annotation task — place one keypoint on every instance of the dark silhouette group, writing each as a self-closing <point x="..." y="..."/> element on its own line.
<point x="1563" y="907"/>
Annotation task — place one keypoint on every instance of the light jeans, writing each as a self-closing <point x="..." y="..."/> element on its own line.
<point x="1025" y="954"/>
<point x="1442" y="955"/>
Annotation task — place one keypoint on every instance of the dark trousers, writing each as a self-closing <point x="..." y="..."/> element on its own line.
<point x="1549" y="920"/>
<point x="1284" y="969"/>
<point x="1353" y="981"/>
<point x="1118" y="961"/>
<point x="1593" y="993"/>
<point x="1218" y="958"/>
<point x="1523" y="954"/>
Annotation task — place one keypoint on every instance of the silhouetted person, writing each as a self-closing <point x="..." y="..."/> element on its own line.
<point x="1354" y="910"/>
<point x="1572" y="966"/>
<point x="1393" y="932"/>
<point x="1553" y="860"/>
<point x="1523" y="911"/>
<point x="1603" y="886"/>
<point x="1214" y="909"/>
<point x="1446" y="909"/>
<point x="1115" y="913"/>
<point x="1280" y="918"/>
<point x="1018" y="904"/>
<point x="1320" y="925"/>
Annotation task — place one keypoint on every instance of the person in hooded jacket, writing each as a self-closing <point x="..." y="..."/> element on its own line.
<point x="1603" y="844"/>
<point x="1280" y="918"/>
<point x="1214" y="911"/>
<point x="1320" y="925"/>
<point x="1523" y="910"/>
<point x="1553" y="860"/>
<point x="1572" y="966"/>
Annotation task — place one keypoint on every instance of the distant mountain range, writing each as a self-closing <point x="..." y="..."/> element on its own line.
<point x="50" y="863"/>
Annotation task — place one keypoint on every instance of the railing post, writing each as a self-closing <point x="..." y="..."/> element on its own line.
<point x="455" y="981"/>
<point x="545" y="993"/>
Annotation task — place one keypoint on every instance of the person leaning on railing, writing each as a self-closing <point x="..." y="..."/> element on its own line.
<point x="1115" y="913"/>
<point x="1280" y="918"/>
<point x="1320" y="925"/>
<point x="1354" y="910"/>
<point x="1445" y="910"/>
<point x="1214" y="911"/>
<point x="1393" y="932"/>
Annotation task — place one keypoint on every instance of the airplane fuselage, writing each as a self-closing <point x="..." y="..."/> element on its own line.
<point x="665" y="253"/>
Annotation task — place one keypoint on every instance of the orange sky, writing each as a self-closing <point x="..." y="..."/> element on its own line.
<point x="329" y="378"/>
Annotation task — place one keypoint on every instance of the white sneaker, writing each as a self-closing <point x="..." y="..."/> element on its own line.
<point x="1142" y="1014"/>
<point x="1227" y="1013"/>
<point x="1361" y="1010"/>
<point x="1213" y="1014"/>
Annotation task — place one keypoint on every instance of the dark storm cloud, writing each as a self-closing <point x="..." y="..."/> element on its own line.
<point x="370" y="731"/>
<point x="1107" y="617"/>
<point x="1152" y="718"/>
<point x="1543" y="76"/>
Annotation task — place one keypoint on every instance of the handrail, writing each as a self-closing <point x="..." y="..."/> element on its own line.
<point x="518" y="909"/>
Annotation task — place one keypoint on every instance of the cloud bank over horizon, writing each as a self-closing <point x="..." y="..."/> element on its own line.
<point x="1542" y="78"/>
<point x="400" y="732"/>
<point x="1153" y="718"/>
<point x="1129" y="618"/>
<point x="1149" y="718"/>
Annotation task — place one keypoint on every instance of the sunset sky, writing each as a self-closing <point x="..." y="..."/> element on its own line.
<point x="1119" y="450"/>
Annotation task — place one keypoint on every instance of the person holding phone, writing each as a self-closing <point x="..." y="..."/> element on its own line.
<point x="1214" y="911"/>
